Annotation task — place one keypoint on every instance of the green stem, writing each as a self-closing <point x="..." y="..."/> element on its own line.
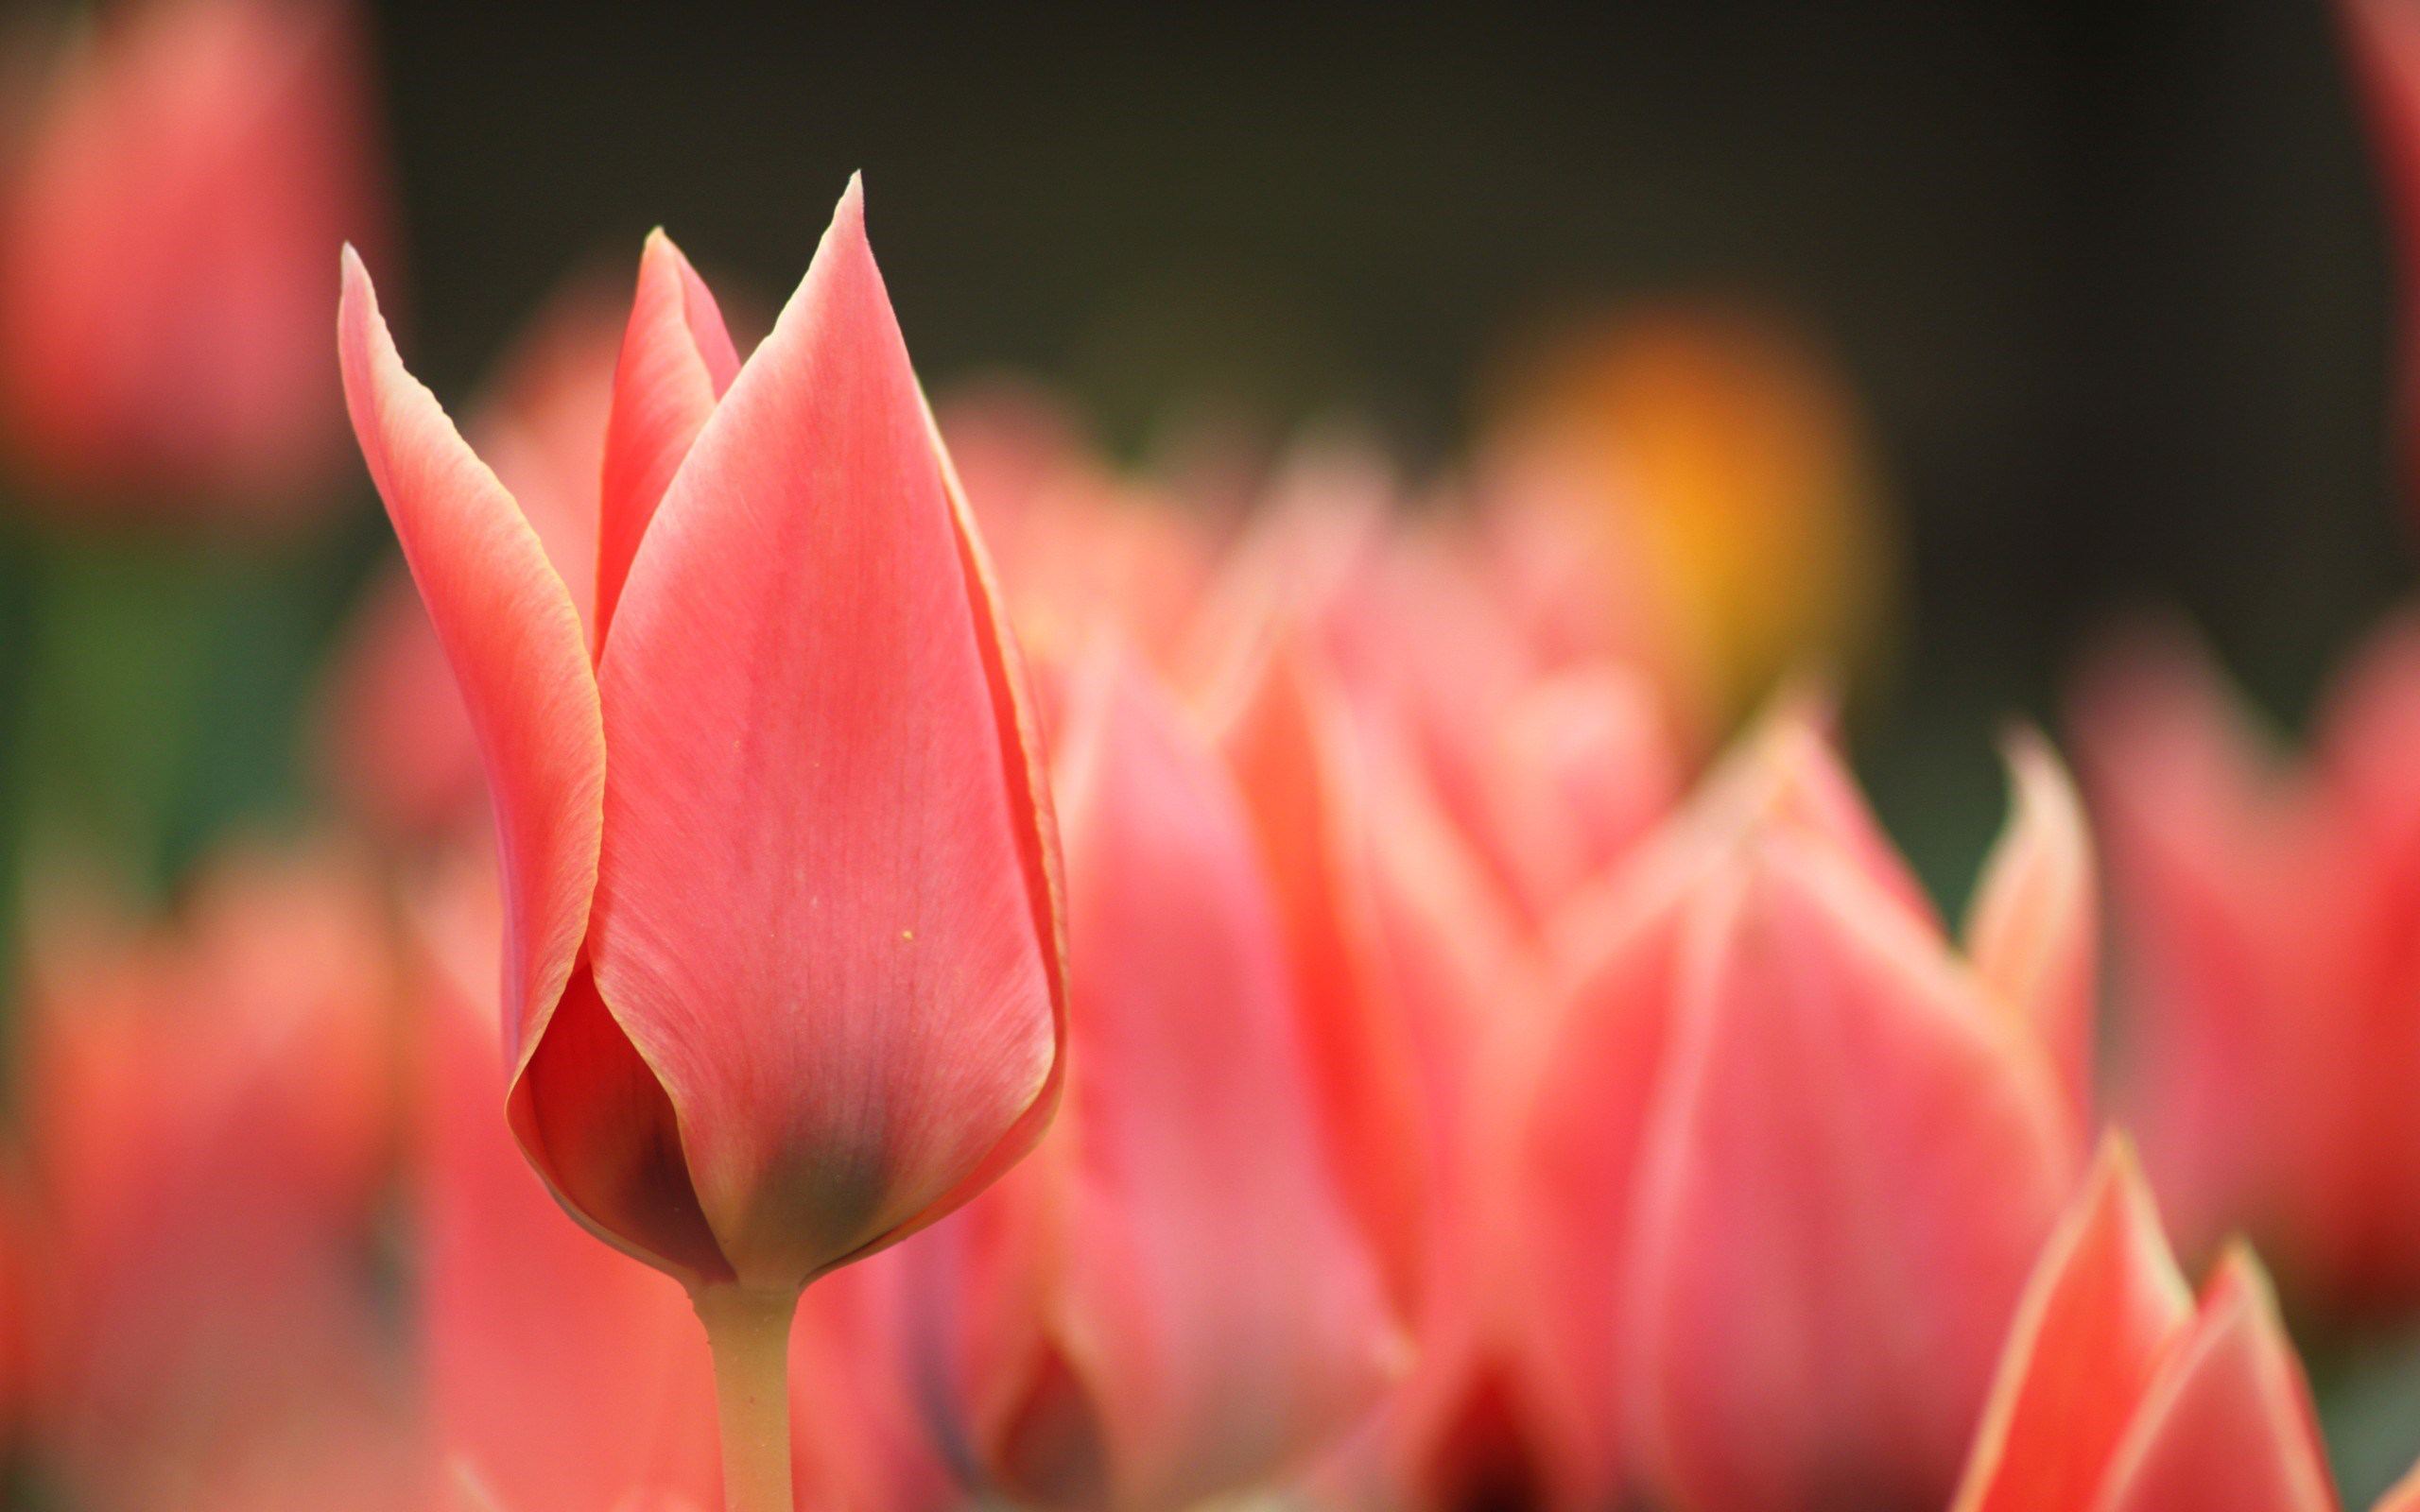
<point x="749" y="1334"/>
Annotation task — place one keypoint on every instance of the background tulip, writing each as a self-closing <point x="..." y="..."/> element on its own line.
<point x="1771" y="1106"/>
<point x="2272" y="1051"/>
<point x="207" y="1123"/>
<point x="1171" y="1299"/>
<point x="162" y="329"/>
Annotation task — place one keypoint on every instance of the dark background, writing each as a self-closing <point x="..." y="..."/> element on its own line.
<point x="2110" y="280"/>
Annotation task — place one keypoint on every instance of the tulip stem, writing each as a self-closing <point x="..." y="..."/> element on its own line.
<point x="749" y="1334"/>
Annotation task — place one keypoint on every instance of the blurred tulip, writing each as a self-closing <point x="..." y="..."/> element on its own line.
<point x="1288" y="746"/>
<point x="2119" y="1392"/>
<point x="1171" y="1299"/>
<point x="395" y="739"/>
<point x="1078" y="550"/>
<point x="1788" y="1160"/>
<point x="2266" y="907"/>
<point x="162" y="336"/>
<point x="207" y="1113"/>
<point x="2384" y="38"/>
<point x="1707" y="467"/>
<point x="788" y="986"/>
<point x="1550" y="764"/>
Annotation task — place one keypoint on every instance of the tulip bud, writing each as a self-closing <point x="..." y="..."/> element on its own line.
<point x="783" y="976"/>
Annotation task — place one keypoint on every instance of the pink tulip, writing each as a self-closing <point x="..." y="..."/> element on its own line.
<point x="782" y="978"/>
<point x="2119" y="1392"/>
<point x="163" y="344"/>
<point x="1787" y="1157"/>
<point x="1171" y="1299"/>
<point x="207" y="1118"/>
<point x="2265" y="906"/>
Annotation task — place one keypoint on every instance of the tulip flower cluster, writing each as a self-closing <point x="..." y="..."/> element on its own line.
<point x="865" y="958"/>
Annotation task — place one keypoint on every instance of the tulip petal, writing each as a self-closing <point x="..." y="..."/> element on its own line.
<point x="1219" y="1304"/>
<point x="596" y="1123"/>
<point x="513" y="637"/>
<point x="2229" y="1425"/>
<point x="2105" y="1305"/>
<point x="1846" y="1123"/>
<point x="1583" y="765"/>
<point x="676" y="360"/>
<point x="824" y="912"/>
<point x="2181" y="791"/>
<point x="2030" y="930"/>
<point x="1285" y="746"/>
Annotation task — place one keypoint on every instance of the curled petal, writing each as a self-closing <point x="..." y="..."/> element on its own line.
<point x="513" y="637"/>
<point x="823" y="914"/>
<point x="2031" y="934"/>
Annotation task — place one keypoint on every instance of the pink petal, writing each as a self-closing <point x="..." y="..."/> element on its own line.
<point x="2228" y="1427"/>
<point x="2033" y="932"/>
<point x="1219" y="1308"/>
<point x="1854" y="1162"/>
<point x="1584" y="763"/>
<point x="1288" y="748"/>
<point x="513" y="638"/>
<point x="2099" y="1317"/>
<point x="677" y="359"/>
<point x="2183" y="796"/>
<point x="824" y="911"/>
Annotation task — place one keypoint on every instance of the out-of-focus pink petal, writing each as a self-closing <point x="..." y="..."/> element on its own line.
<point x="1593" y="1074"/>
<point x="513" y="636"/>
<point x="1287" y="744"/>
<point x="207" y="1125"/>
<point x="1585" y="764"/>
<point x="563" y="1374"/>
<point x="2200" y="854"/>
<point x="2228" y="1427"/>
<point x="1845" y="1116"/>
<point x="2099" y="1317"/>
<point x="824" y="915"/>
<point x="2032" y="931"/>
<point x="677" y="359"/>
<point x="1219" y="1310"/>
<point x="859" y="1440"/>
